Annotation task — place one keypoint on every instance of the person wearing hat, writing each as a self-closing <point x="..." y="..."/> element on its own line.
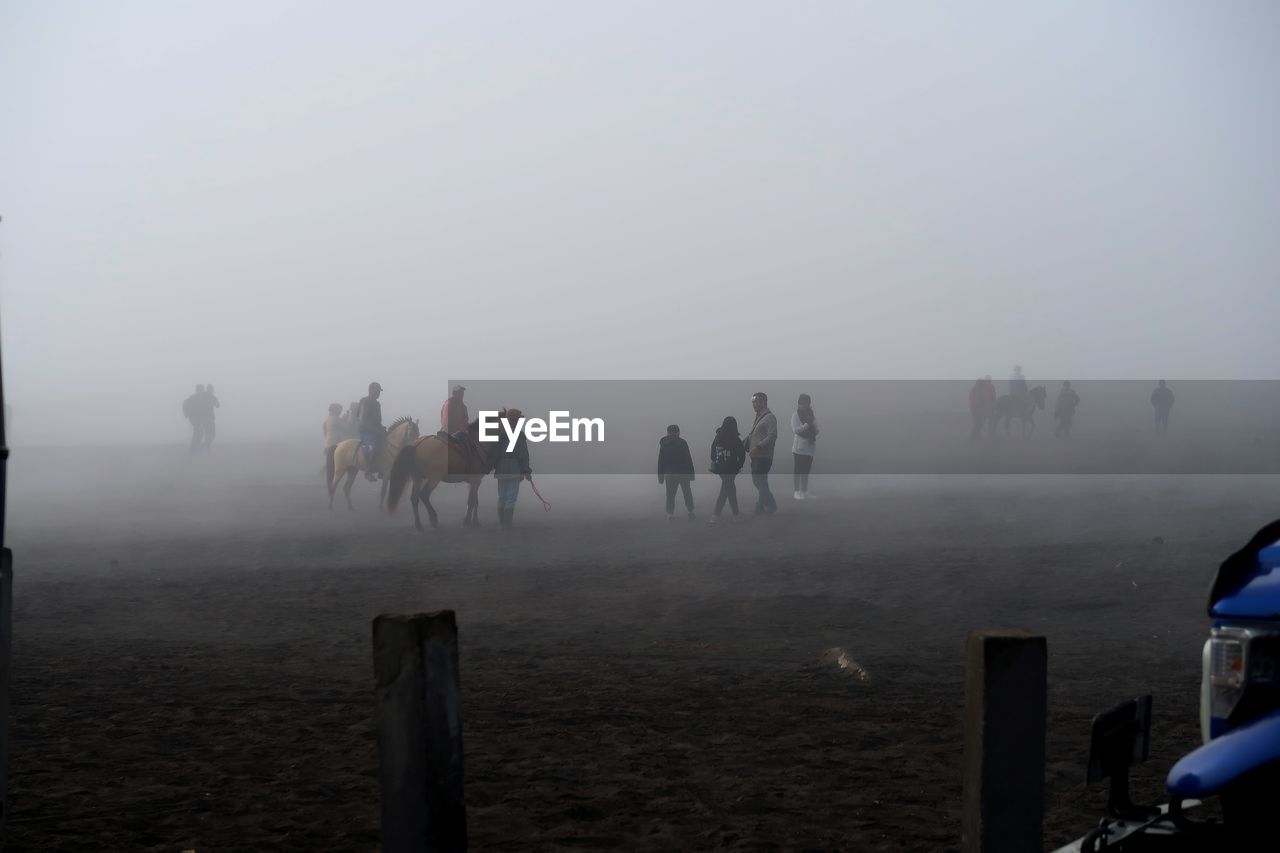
<point x="369" y="420"/>
<point x="759" y="443"/>
<point x="512" y="467"/>
<point x="453" y="414"/>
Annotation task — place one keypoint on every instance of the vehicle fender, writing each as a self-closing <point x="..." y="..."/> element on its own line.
<point x="1225" y="759"/>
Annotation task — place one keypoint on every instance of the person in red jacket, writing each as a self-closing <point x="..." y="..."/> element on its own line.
<point x="453" y="414"/>
<point x="982" y="405"/>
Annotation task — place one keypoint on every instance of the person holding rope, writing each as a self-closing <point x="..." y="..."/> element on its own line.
<point x="511" y="468"/>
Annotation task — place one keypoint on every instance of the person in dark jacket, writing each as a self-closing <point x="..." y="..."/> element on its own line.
<point x="511" y="469"/>
<point x="1064" y="410"/>
<point x="727" y="458"/>
<point x="675" y="468"/>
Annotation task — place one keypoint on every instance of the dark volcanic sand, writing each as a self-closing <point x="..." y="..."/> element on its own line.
<point x="192" y="662"/>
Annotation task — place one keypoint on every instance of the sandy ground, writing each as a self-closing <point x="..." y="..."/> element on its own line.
<point x="192" y="657"/>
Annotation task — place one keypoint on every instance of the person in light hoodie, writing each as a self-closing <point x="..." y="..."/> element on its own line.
<point x="803" y="445"/>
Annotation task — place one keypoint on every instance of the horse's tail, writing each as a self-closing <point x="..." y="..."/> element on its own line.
<point x="400" y="471"/>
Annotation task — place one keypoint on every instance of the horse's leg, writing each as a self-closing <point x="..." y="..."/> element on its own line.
<point x="346" y="487"/>
<point x="382" y="499"/>
<point x="473" y="503"/>
<point x="427" y="489"/>
<point x="415" y="483"/>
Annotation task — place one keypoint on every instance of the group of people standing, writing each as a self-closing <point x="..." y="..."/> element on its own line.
<point x="730" y="452"/>
<point x="199" y="410"/>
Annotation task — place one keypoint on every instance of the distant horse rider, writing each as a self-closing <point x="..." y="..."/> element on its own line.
<point x="1017" y="383"/>
<point x="372" y="432"/>
<point x="1064" y="410"/>
<point x="1162" y="402"/>
<point x="191" y="408"/>
<point x="454" y="418"/>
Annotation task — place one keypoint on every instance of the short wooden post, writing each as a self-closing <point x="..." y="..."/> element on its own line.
<point x="1004" y="728"/>
<point x="6" y="656"/>
<point x="415" y="661"/>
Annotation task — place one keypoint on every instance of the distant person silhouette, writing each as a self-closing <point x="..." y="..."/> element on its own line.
<point x="191" y="409"/>
<point x="1064" y="410"/>
<point x="761" y="438"/>
<point x="1162" y="402"/>
<point x="982" y="406"/>
<point x="210" y="403"/>
<point x="805" y="427"/>
<point x="675" y="468"/>
<point x="727" y="458"/>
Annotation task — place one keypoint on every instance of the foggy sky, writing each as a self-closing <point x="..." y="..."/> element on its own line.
<point x="291" y="199"/>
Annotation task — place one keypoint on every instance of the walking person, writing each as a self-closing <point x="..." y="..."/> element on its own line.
<point x="512" y="467"/>
<point x="210" y="403"/>
<point x="727" y="458"/>
<point x="982" y="406"/>
<point x="760" y="442"/>
<point x="191" y="411"/>
<point x="1064" y="410"/>
<point x="334" y="433"/>
<point x="802" y="446"/>
<point x="1162" y="402"/>
<point x="675" y="467"/>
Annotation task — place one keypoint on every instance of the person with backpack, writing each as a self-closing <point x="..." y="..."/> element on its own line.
<point x="727" y="458"/>
<point x="675" y="468"/>
<point x="802" y="446"/>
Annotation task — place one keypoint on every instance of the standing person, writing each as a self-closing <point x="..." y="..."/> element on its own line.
<point x="1162" y="402"/>
<point x="511" y="468"/>
<point x="675" y="466"/>
<point x="334" y="433"/>
<point x="351" y="421"/>
<point x="369" y="422"/>
<point x="191" y="411"/>
<point x="802" y="446"/>
<point x="210" y="403"/>
<point x="453" y="414"/>
<point x="727" y="458"/>
<point x="982" y="405"/>
<point x="760" y="441"/>
<point x="1064" y="410"/>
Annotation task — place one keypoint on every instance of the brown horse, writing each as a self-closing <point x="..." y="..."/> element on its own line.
<point x="348" y="460"/>
<point x="433" y="460"/>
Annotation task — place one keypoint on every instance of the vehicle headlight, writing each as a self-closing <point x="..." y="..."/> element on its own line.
<point x="1239" y="664"/>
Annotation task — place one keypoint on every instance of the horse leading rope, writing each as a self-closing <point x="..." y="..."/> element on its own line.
<point x="546" y="504"/>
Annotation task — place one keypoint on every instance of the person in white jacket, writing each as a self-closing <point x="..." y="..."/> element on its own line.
<point x="802" y="446"/>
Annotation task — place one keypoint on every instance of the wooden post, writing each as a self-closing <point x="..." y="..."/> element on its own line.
<point x="6" y="655"/>
<point x="415" y="661"/>
<point x="1004" y="727"/>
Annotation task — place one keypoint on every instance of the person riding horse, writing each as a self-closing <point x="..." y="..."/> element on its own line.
<point x="372" y="432"/>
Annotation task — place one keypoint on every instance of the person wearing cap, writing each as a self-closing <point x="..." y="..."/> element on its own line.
<point x="369" y="421"/>
<point x="761" y="438"/>
<point x="512" y="467"/>
<point x="453" y="414"/>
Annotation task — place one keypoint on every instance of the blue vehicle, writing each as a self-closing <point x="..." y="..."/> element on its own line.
<point x="1239" y="762"/>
